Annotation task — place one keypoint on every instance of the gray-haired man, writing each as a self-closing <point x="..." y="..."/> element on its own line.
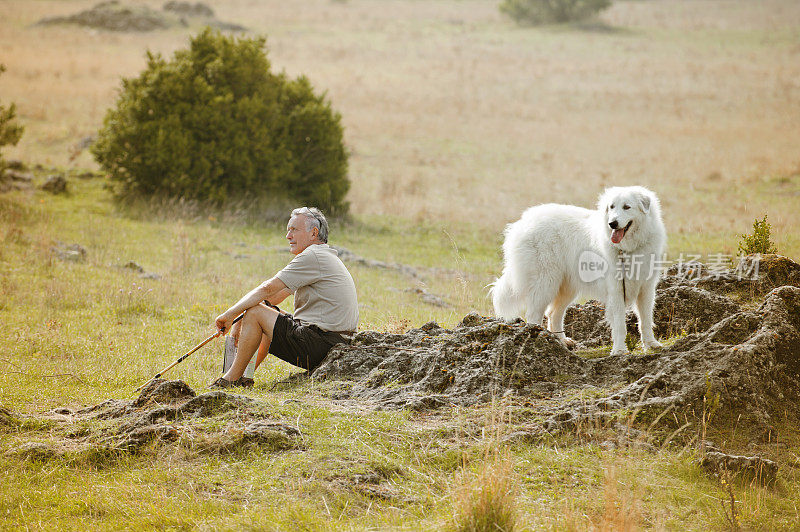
<point x="325" y="302"/>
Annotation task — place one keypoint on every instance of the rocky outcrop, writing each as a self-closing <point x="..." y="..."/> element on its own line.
<point x="55" y="184"/>
<point x="742" y="359"/>
<point x="117" y="16"/>
<point x="165" y="413"/>
<point x="748" y="468"/>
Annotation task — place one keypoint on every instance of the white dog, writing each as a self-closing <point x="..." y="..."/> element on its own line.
<point x="557" y="253"/>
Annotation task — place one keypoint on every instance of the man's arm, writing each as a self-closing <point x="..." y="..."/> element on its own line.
<point x="280" y="296"/>
<point x="270" y="290"/>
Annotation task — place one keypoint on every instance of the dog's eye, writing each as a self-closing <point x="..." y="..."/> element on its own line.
<point x="612" y="205"/>
<point x="626" y="207"/>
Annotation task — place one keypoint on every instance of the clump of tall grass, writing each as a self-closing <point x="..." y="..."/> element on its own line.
<point x="136" y="300"/>
<point x="485" y="500"/>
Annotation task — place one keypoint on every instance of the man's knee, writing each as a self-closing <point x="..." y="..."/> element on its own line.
<point x="261" y="317"/>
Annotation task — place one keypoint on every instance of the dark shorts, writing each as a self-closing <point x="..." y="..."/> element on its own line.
<point x="305" y="346"/>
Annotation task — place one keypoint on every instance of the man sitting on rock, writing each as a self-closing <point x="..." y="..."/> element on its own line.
<point x="325" y="302"/>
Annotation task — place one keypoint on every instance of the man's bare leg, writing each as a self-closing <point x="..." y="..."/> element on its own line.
<point x="258" y="324"/>
<point x="263" y="350"/>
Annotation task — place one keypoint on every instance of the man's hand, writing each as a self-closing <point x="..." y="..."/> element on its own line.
<point x="224" y="322"/>
<point x="272" y="290"/>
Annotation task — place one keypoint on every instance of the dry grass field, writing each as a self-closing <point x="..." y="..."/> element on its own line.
<point x="457" y="120"/>
<point x="455" y="114"/>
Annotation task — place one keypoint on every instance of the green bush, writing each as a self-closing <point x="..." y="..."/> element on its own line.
<point x="759" y="241"/>
<point x="551" y="11"/>
<point x="10" y="131"/>
<point x="214" y="124"/>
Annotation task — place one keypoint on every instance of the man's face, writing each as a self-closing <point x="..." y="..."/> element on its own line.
<point x="298" y="234"/>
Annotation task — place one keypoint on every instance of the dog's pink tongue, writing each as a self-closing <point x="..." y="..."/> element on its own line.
<point x="616" y="236"/>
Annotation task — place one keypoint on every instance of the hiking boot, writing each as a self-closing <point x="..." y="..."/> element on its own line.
<point x="245" y="382"/>
<point x="221" y="383"/>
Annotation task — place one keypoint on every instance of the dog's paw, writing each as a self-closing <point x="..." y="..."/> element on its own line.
<point x="569" y="343"/>
<point x="620" y="351"/>
<point x="653" y="345"/>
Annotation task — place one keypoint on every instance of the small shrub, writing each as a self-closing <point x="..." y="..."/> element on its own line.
<point x="10" y="131"/>
<point x="551" y="11"/>
<point x="758" y="241"/>
<point x="214" y="124"/>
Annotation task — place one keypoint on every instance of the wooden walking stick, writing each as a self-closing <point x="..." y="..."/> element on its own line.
<point x="182" y="358"/>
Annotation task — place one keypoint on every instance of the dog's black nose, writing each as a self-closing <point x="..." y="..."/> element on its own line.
<point x="613" y="224"/>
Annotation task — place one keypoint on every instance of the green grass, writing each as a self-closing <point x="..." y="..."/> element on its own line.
<point x="76" y="334"/>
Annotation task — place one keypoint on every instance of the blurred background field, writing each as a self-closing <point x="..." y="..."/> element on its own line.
<point x="456" y="115"/>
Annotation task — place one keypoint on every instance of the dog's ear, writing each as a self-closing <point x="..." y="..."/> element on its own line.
<point x="644" y="203"/>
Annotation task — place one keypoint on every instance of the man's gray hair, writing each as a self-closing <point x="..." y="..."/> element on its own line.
<point x="315" y="219"/>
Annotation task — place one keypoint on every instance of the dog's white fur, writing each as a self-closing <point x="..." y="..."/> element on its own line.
<point x="543" y="252"/>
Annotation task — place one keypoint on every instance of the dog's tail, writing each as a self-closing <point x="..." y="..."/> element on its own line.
<point x="506" y="302"/>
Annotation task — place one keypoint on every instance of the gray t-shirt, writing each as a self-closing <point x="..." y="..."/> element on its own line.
<point x="324" y="291"/>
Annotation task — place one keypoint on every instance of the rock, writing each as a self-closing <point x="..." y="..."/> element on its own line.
<point x="226" y="26"/>
<point x="216" y="402"/>
<point x="773" y="270"/>
<point x="16" y="164"/>
<point x="754" y="275"/>
<point x="131" y="265"/>
<point x="678" y="309"/>
<point x="7" y="418"/>
<point x="272" y="435"/>
<point x="88" y="175"/>
<point x="36" y="451"/>
<point x="432" y="367"/>
<point x="137" y="268"/>
<point x="687" y="309"/>
<point x="72" y="252"/>
<point x="167" y="410"/>
<point x="115" y="16"/>
<point x="426" y="297"/>
<point x="18" y="175"/>
<point x="141" y="436"/>
<point x="430" y="299"/>
<point x="55" y="184"/>
<point x="12" y="179"/>
<point x="348" y="256"/>
<point x="188" y="9"/>
<point x="756" y="468"/>
<point x="163" y="391"/>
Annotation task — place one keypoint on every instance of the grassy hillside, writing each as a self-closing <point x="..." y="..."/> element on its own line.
<point x="78" y="333"/>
